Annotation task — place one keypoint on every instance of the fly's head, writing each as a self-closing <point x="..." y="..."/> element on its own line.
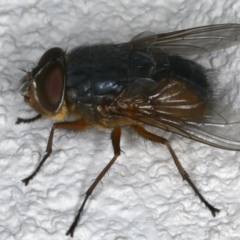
<point x="44" y="87"/>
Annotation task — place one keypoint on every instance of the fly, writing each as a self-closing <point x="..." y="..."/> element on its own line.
<point x="148" y="80"/>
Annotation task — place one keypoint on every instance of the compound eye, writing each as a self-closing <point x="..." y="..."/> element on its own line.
<point x="50" y="86"/>
<point x="50" y="54"/>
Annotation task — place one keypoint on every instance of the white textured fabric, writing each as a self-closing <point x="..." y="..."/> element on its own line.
<point x="143" y="196"/>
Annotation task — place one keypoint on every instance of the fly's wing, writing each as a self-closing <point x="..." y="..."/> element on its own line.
<point x="190" y="41"/>
<point x="178" y="106"/>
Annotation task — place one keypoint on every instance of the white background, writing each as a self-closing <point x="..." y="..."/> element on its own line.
<point x="143" y="196"/>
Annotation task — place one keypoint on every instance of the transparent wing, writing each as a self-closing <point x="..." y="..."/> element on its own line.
<point x="190" y="41"/>
<point x="172" y="105"/>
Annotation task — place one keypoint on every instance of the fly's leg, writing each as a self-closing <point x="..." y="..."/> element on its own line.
<point x="154" y="138"/>
<point x="115" y="137"/>
<point x="28" y="120"/>
<point x="77" y="126"/>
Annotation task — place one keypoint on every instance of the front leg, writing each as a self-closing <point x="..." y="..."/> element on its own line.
<point x="28" y="120"/>
<point x="76" y="126"/>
